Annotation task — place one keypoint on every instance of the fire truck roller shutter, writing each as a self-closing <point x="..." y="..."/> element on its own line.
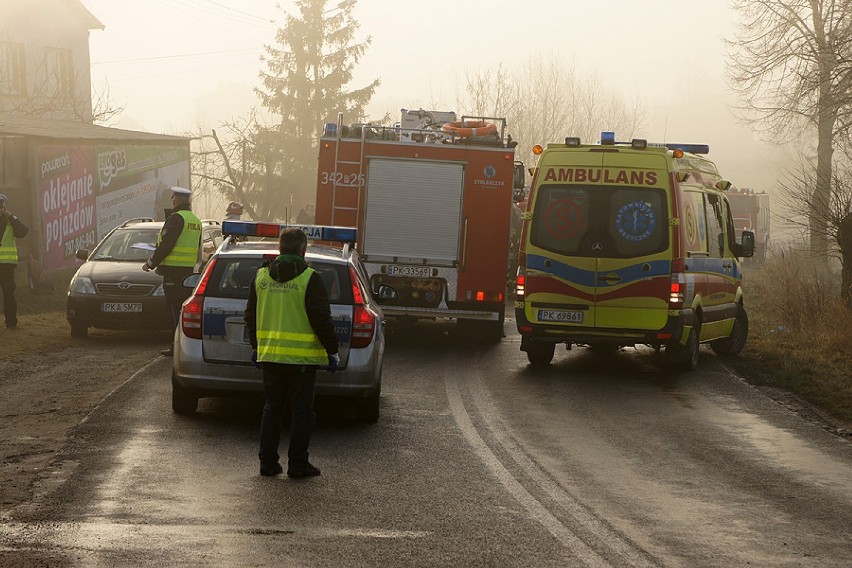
<point x="414" y="209"/>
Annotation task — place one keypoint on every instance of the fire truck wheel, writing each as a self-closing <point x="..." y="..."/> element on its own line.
<point x="735" y="342"/>
<point x="540" y="354"/>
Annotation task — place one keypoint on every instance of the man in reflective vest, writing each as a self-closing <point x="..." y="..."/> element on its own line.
<point x="291" y="332"/>
<point x="11" y="228"/>
<point x="177" y="253"/>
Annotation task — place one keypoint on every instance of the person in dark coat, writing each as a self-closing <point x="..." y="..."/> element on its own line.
<point x="291" y="332"/>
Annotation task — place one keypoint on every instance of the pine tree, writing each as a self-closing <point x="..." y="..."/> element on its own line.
<point x="305" y="85"/>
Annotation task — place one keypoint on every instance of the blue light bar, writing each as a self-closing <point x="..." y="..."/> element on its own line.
<point x="691" y="148"/>
<point x="607" y="138"/>
<point x="313" y="232"/>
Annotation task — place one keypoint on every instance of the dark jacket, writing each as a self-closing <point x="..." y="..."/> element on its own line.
<point x="19" y="229"/>
<point x="316" y="303"/>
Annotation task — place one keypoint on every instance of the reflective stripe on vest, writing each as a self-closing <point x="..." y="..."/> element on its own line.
<point x="284" y="333"/>
<point x="185" y="251"/>
<point x="8" y="247"/>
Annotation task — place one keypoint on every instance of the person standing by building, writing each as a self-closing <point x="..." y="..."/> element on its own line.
<point x="11" y="228"/>
<point x="176" y="254"/>
<point x="291" y="333"/>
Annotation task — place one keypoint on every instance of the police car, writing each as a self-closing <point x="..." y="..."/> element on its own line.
<point x="212" y="353"/>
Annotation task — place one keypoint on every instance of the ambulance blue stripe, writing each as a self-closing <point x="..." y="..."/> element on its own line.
<point x="582" y="277"/>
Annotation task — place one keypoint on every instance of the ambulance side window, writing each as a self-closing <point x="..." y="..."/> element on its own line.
<point x="729" y="227"/>
<point x="715" y="224"/>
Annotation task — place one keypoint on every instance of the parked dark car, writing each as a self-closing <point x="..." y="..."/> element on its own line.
<point x="111" y="291"/>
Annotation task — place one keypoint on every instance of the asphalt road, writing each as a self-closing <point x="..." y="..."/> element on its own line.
<point x="478" y="460"/>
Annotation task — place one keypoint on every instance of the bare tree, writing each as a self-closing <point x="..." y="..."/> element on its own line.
<point x="791" y="67"/>
<point x="547" y="99"/>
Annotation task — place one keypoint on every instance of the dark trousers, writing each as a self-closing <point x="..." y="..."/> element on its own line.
<point x="175" y="292"/>
<point x="287" y="386"/>
<point x="7" y="285"/>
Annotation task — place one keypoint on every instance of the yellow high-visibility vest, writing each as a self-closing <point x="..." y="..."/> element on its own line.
<point x="284" y="333"/>
<point x="185" y="251"/>
<point x="8" y="247"/>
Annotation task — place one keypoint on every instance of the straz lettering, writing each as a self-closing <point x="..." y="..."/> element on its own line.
<point x="600" y="175"/>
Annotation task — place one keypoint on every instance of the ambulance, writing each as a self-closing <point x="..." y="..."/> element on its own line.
<point x="630" y="243"/>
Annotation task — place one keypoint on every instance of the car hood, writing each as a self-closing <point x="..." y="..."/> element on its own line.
<point x="115" y="271"/>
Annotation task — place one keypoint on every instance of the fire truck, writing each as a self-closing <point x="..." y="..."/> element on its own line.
<point x="750" y="210"/>
<point x="431" y="197"/>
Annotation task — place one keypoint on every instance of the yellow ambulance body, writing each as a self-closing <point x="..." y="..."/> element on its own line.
<point x="627" y="244"/>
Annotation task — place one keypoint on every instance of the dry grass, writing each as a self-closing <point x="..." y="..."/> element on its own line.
<point x="800" y="336"/>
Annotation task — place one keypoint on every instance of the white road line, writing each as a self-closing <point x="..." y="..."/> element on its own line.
<point x="537" y="511"/>
<point x="606" y="534"/>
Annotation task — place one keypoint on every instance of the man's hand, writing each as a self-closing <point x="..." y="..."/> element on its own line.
<point x="333" y="362"/>
<point x="254" y="358"/>
<point x="146" y="268"/>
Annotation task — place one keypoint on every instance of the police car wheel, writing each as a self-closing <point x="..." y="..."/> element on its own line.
<point x="184" y="401"/>
<point x="368" y="409"/>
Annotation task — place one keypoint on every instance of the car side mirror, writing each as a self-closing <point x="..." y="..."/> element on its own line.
<point x="82" y="254"/>
<point x="746" y="247"/>
<point x="191" y="280"/>
<point x="386" y="292"/>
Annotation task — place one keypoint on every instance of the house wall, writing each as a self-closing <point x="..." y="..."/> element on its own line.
<point x="44" y="59"/>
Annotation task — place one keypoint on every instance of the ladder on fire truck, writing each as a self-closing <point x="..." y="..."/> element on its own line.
<point x="337" y="176"/>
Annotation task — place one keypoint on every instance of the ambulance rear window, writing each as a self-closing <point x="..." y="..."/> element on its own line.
<point x="596" y="221"/>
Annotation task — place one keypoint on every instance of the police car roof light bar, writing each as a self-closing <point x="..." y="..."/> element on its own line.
<point x="691" y="148"/>
<point x="313" y="232"/>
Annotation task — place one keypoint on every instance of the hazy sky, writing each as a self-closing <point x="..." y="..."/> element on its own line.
<point x="179" y="64"/>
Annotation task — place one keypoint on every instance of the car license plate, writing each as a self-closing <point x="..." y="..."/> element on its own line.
<point x="560" y="315"/>
<point x="410" y="271"/>
<point x="123" y="307"/>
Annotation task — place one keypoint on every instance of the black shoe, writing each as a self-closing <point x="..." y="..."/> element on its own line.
<point x="168" y="352"/>
<point x="305" y="471"/>
<point x="270" y="470"/>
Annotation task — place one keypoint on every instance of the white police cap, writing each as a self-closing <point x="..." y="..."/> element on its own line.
<point x="181" y="191"/>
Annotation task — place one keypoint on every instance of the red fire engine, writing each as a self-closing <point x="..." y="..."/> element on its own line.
<point x="431" y="198"/>
<point x="750" y="211"/>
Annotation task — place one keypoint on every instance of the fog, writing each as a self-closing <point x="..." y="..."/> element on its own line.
<point x="180" y="65"/>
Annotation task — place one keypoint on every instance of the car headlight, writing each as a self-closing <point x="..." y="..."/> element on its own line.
<point x="159" y="291"/>
<point x="82" y="285"/>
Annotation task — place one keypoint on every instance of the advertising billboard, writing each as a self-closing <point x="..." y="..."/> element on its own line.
<point x="85" y="191"/>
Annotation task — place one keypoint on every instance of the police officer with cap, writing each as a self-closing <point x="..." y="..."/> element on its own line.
<point x="11" y="228"/>
<point x="177" y="253"/>
<point x="233" y="211"/>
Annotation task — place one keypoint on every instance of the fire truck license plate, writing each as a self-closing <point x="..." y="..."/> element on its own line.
<point x="412" y="271"/>
<point x="560" y="315"/>
<point x="121" y="307"/>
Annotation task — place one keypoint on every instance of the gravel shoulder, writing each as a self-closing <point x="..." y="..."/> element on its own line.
<point x="46" y="394"/>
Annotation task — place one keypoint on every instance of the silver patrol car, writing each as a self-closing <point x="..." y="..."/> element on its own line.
<point x="212" y="354"/>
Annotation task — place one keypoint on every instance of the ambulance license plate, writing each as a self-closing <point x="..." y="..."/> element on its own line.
<point x="410" y="271"/>
<point x="561" y="316"/>
<point x="121" y="307"/>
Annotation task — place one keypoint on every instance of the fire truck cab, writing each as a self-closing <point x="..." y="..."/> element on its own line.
<point x="750" y="210"/>
<point x="432" y="200"/>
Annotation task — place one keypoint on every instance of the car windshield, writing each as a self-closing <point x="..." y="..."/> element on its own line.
<point x="128" y="245"/>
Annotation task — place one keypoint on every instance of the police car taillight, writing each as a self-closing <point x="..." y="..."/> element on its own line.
<point x="193" y="308"/>
<point x="521" y="283"/>
<point x="363" y="320"/>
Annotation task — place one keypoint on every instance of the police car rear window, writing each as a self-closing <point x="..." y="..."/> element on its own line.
<point x="232" y="277"/>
